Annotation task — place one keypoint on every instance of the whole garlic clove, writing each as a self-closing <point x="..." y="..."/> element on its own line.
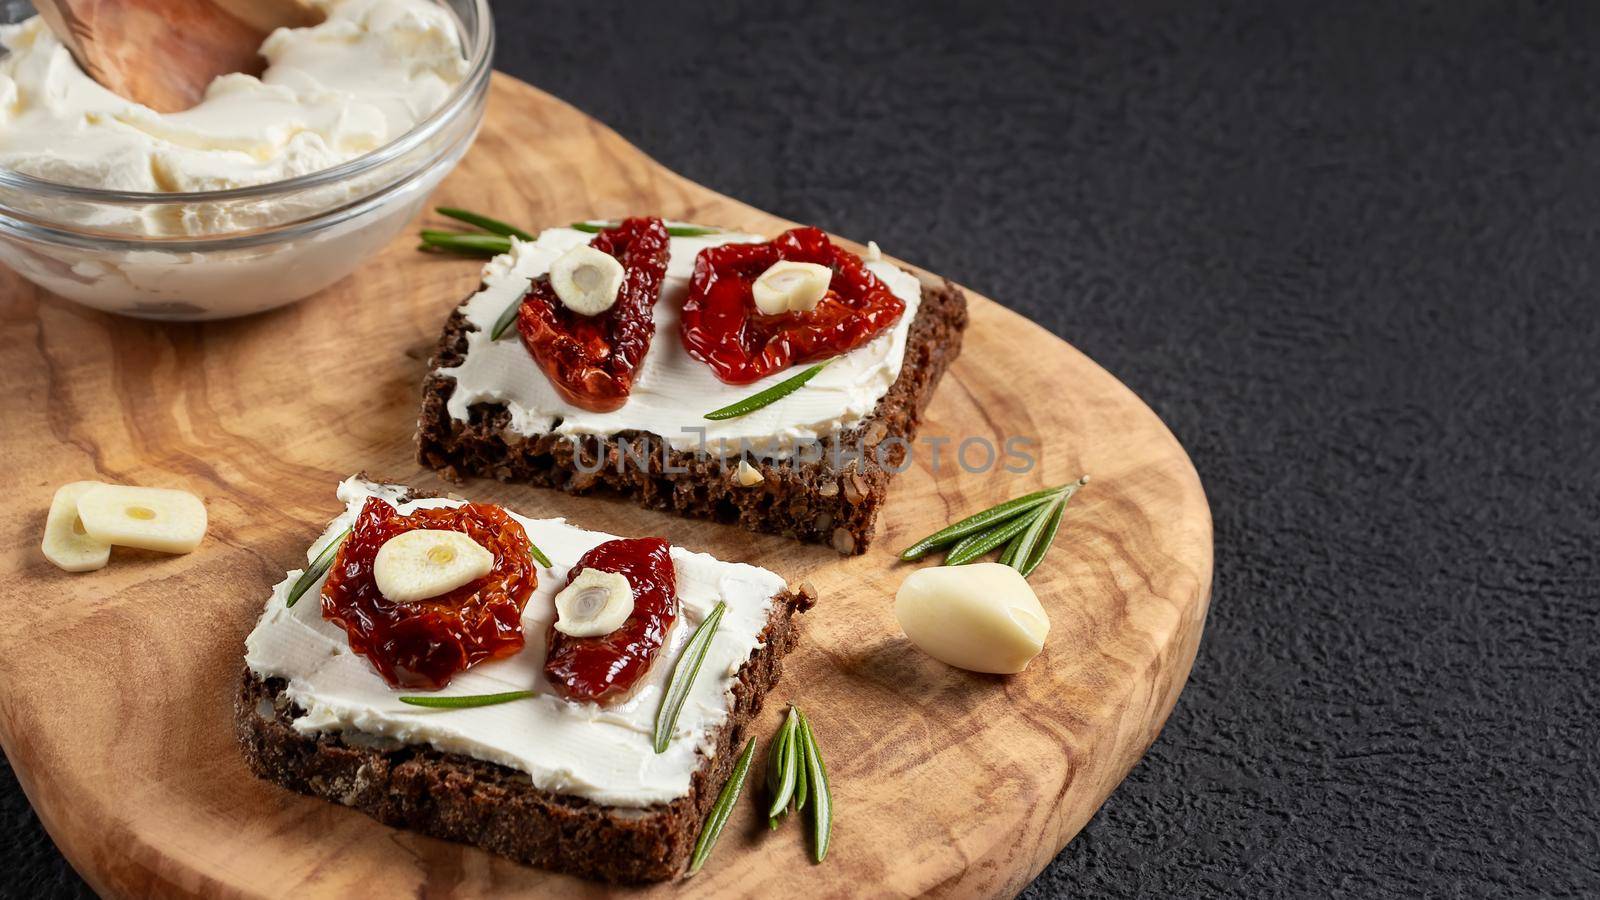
<point x="428" y="562"/>
<point x="983" y="617"/>
<point x="147" y="518"/>
<point x="791" y="287"/>
<point x="67" y="543"/>
<point x="586" y="280"/>
<point x="595" y="603"/>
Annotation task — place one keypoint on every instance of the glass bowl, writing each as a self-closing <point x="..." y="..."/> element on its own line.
<point x="260" y="247"/>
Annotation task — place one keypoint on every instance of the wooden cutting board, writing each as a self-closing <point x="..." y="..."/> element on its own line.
<point x="116" y="686"/>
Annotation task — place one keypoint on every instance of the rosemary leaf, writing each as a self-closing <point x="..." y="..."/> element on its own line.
<point x="315" y="571"/>
<point x="789" y="756"/>
<point x="538" y="555"/>
<point x="822" y="805"/>
<point x="672" y="230"/>
<point x="769" y="396"/>
<point x="494" y="226"/>
<point x="1030" y="553"/>
<point x="802" y="779"/>
<point x="502" y="324"/>
<point x="973" y="546"/>
<point x="467" y="244"/>
<point x="722" y="809"/>
<point x="467" y="701"/>
<point x="691" y="230"/>
<point x="683" y="675"/>
<point x="978" y="522"/>
<point x="775" y="755"/>
<point x="1029" y="539"/>
<point x="1010" y="552"/>
<point x="1026" y="562"/>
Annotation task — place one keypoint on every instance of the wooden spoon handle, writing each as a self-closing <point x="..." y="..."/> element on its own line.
<point x="163" y="53"/>
<point x="268" y="16"/>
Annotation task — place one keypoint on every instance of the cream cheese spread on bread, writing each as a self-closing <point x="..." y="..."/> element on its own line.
<point x="673" y="391"/>
<point x="603" y="753"/>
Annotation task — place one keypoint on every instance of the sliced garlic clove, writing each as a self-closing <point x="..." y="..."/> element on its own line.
<point x="147" y="518"/>
<point x="586" y="280"/>
<point x="791" y="287"/>
<point x="66" y="543"/>
<point x="983" y="617"/>
<point x="428" y="562"/>
<point x="595" y="603"/>
<point x="747" y="475"/>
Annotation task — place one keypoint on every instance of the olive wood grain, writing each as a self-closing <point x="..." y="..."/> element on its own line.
<point x="115" y="686"/>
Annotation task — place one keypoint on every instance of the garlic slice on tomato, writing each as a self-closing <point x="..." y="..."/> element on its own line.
<point x="586" y="280"/>
<point x="788" y="286"/>
<point x="428" y="562"/>
<point x="66" y="543"/>
<point x="147" y="518"/>
<point x="595" y="603"/>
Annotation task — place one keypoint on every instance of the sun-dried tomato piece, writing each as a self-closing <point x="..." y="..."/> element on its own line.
<point x="722" y="327"/>
<point x="423" y="644"/>
<point x="592" y="360"/>
<point x="603" y="668"/>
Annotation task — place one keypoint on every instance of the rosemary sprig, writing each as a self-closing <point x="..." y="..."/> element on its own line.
<point x="775" y="765"/>
<point x="787" y="752"/>
<point x="769" y="396"/>
<point x="1031" y="545"/>
<point x="467" y="701"/>
<point x="822" y="805"/>
<point x="317" y="569"/>
<point x="493" y="240"/>
<point x="977" y="522"/>
<point x="493" y="226"/>
<point x="973" y="546"/>
<point x="465" y="243"/>
<point x="722" y="809"/>
<point x="796" y="777"/>
<point x="672" y="230"/>
<point x="683" y="675"/>
<point x="1024" y="527"/>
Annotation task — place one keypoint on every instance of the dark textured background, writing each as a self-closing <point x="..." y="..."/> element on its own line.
<point x="1346" y="250"/>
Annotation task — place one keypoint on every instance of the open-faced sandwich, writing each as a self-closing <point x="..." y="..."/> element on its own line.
<point x="565" y="698"/>
<point x="771" y="382"/>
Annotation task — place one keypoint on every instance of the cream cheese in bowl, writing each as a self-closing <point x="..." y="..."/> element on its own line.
<point x="270" y="189"/>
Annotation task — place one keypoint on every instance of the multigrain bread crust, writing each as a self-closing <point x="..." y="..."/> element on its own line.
<point x="811" y="500"/>
<point x="458" y="798"/>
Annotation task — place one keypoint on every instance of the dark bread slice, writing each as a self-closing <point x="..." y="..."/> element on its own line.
<point x="815" y="501"/>
<point x="459" y="798"/>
